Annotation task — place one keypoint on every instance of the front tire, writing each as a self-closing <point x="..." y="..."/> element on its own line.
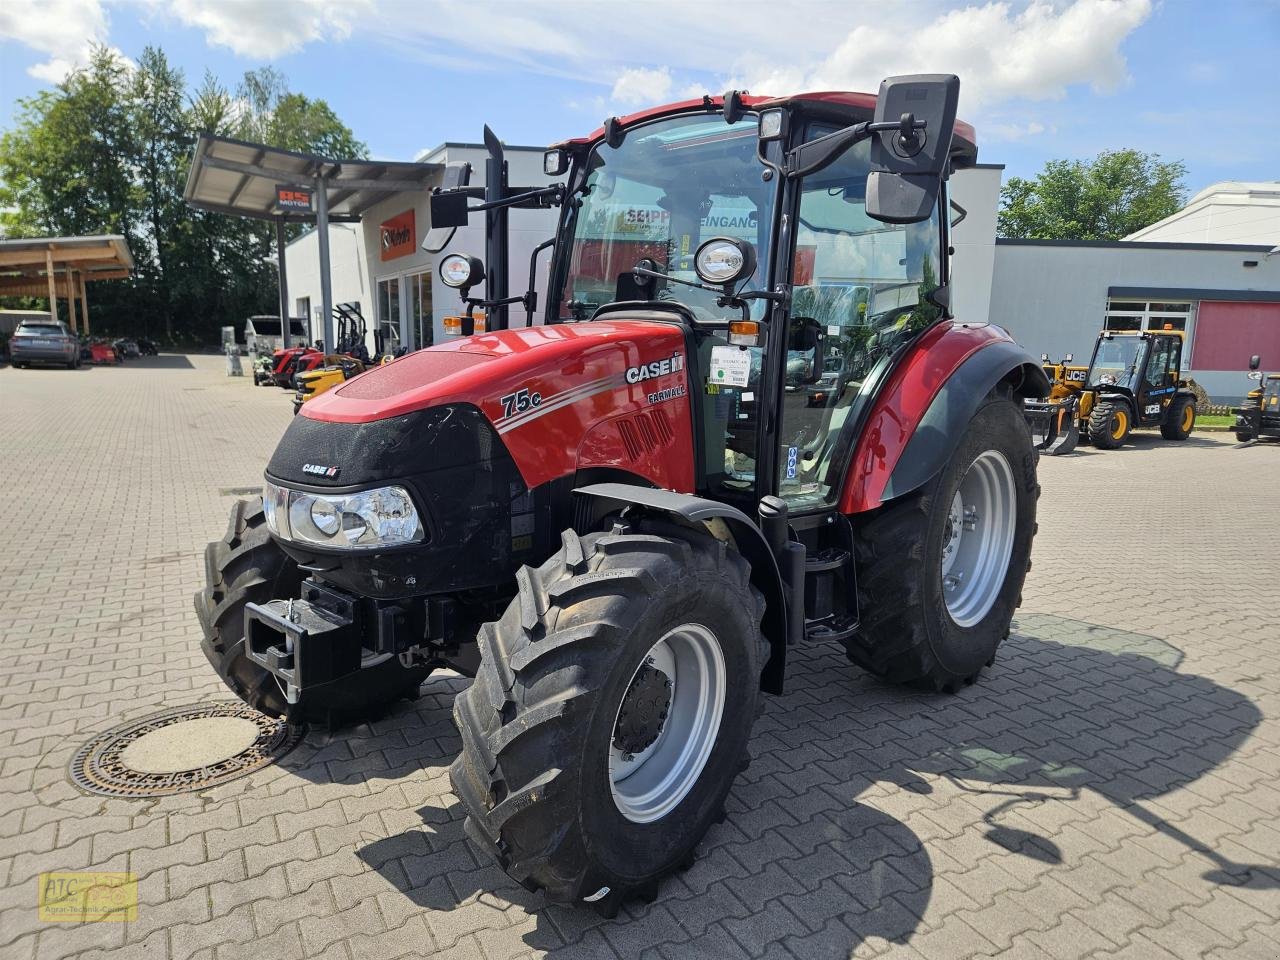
<point x="247" y="565"/>
<point x="574" y="686"/>
<point x="1109" y="424"/>
<point x="1179" y="420"/>
<point x="940" y="570"/>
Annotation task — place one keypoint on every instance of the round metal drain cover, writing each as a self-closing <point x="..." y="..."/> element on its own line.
<point x="181" y="750"/>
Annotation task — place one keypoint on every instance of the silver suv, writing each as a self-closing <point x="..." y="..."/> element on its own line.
<point x="44" y="341"/>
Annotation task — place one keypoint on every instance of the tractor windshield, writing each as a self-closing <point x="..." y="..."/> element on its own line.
<point x="1117" y="362"/>
<point x="669" y="186"/>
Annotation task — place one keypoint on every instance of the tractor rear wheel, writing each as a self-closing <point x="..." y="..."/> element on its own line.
<point x="1109" y="424"/>
<point x="245" y="566"/>
<point x="940" y="570"/>
<point x="1179" y="419"/>
<point x="611" y="711"/>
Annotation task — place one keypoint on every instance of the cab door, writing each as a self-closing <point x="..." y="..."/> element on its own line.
<point x="1160" y="379"/>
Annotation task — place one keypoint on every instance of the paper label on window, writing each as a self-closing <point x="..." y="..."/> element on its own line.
<point x="730" y="366"/>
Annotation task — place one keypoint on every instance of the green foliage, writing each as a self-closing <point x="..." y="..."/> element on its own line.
<point x="1109" y="197"/>
<point x="108" y="151"/>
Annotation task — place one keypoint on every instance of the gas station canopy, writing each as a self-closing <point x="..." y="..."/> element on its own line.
<point x="243" y="179"/>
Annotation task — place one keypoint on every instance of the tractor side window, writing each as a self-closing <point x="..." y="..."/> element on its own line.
<point x="863" y="283"/>
<point x="1158" y="366"/>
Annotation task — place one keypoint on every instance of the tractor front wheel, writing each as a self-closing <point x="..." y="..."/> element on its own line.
<point x="245" y="566"/>
<point x="611" y="712"/>
<point x="1179" y="419"/>
<point x="940" y="570"/>
<point x="1109" y="424"/>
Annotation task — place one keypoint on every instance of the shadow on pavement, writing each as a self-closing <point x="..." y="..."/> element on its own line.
<point x="165" y="361"/>
<point x="1069" y="707"/>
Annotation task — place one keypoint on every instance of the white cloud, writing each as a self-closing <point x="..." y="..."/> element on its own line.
<point x="63" y="30"/>
<point x="268" y="28"/>
<point x="641" y="85"/>
<point x="1001" y="51"/>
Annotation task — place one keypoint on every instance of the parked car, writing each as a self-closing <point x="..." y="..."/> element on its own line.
<point x="44" y="341"/>
<point x="148" y="348"/>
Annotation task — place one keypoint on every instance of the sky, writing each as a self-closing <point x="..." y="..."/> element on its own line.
<point x="1040" y="79"/>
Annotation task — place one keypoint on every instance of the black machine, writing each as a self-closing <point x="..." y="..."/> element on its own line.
<point x="1258" y="417"/>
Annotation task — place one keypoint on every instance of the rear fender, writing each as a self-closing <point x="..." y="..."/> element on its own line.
<point x="765" y="575"/>
<point x="919" y="415"/>
<point x="1001" y="365"/>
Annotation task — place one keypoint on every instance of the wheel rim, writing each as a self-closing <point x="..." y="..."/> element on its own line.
<point x="978" y="539"/>
<point x="1118" y="425"/>
<point x="1188" y="417"/>
<point x="648" y="785"/>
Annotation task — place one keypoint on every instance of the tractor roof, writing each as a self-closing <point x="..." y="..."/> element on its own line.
<point x="857" y="106"/>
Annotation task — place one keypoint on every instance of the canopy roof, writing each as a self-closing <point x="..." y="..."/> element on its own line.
<point x="240" y="179"/>
<point x="24" y="263"/>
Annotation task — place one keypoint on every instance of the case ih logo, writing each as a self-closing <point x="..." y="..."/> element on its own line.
<point x="659" y="368"/>
<point x="398" y="235"/>
<point x="319" y="470"/>
<point x="293" y="198"/>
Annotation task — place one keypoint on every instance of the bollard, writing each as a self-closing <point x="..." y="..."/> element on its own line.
<point x="234" y="369"/>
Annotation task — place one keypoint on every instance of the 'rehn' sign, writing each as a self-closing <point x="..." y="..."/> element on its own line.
<point x="398" y="235"/>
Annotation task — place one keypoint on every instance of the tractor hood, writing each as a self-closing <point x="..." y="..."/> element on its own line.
<point x="554" y="395"/>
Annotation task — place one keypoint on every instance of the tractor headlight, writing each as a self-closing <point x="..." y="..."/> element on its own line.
<point x="367" y="519"/>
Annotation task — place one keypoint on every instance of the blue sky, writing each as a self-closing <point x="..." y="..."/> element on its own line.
<point x="1065" y="78"/>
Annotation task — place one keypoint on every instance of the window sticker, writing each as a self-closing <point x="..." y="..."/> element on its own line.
<point x="730" y="366"/>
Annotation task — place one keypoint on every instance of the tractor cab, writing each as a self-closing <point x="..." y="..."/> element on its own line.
<point x="787" y="241"/>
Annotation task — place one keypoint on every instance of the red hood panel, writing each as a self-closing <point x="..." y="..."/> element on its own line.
<point x="607" y="393"/>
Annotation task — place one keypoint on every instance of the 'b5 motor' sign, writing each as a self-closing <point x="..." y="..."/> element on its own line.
<point x="398" y="235"/>
<point x="293" y="199"/>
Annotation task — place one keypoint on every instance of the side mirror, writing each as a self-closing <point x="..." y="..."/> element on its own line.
<point x="907" y="164"/>
<point x="805" y="336"/>
<point x="448" y="210"/>
<point x="1255" y="362"/>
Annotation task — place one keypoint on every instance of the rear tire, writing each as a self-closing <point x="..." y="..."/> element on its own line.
<point x="1109" y="424"/>
<point x="542" y="725"/>
<point x="245" y="566"/>
<point x="1179" y="419"/>
<point x="908" y="632"/>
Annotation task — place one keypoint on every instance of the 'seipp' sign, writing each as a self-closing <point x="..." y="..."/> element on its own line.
<point x="293" y="199"/>
<point x="398" y="235"/>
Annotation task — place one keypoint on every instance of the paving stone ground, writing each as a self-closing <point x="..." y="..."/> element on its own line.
<point x="1111" y="787"/>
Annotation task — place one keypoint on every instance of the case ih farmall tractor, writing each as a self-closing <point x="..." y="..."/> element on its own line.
<point x="619" y="521"/>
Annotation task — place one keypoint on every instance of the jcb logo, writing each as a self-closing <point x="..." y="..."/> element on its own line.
<point x="1076" y="376"/>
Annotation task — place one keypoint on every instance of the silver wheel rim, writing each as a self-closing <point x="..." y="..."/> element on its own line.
<point x="652" y="783"/>
<point x="978" y="539"/>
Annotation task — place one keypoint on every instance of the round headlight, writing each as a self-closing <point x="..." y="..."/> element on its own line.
<point x="325" y="516"/>
<point x="460" y="270"/>
<point x="724" y="260"/>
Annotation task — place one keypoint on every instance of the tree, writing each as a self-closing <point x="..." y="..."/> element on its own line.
<point x="108" y="151"/>
<point x="1109" y="197"/>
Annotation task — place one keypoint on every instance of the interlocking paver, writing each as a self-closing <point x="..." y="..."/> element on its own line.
<point x="1110" y="788"/>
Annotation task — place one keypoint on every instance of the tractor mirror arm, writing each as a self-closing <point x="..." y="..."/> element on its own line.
<point x="816" y="154"/>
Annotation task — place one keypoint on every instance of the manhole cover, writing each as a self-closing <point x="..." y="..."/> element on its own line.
<point x="181" y="750"/>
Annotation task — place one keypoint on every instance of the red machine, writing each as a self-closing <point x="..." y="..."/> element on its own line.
<point x="620" y="520"/>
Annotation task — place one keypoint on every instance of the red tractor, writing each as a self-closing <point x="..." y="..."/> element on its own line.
<point x="619" y="521"/>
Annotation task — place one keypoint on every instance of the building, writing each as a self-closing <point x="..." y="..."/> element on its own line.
<point x="1212" y="271"/>
<point x="380" y="264"/>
